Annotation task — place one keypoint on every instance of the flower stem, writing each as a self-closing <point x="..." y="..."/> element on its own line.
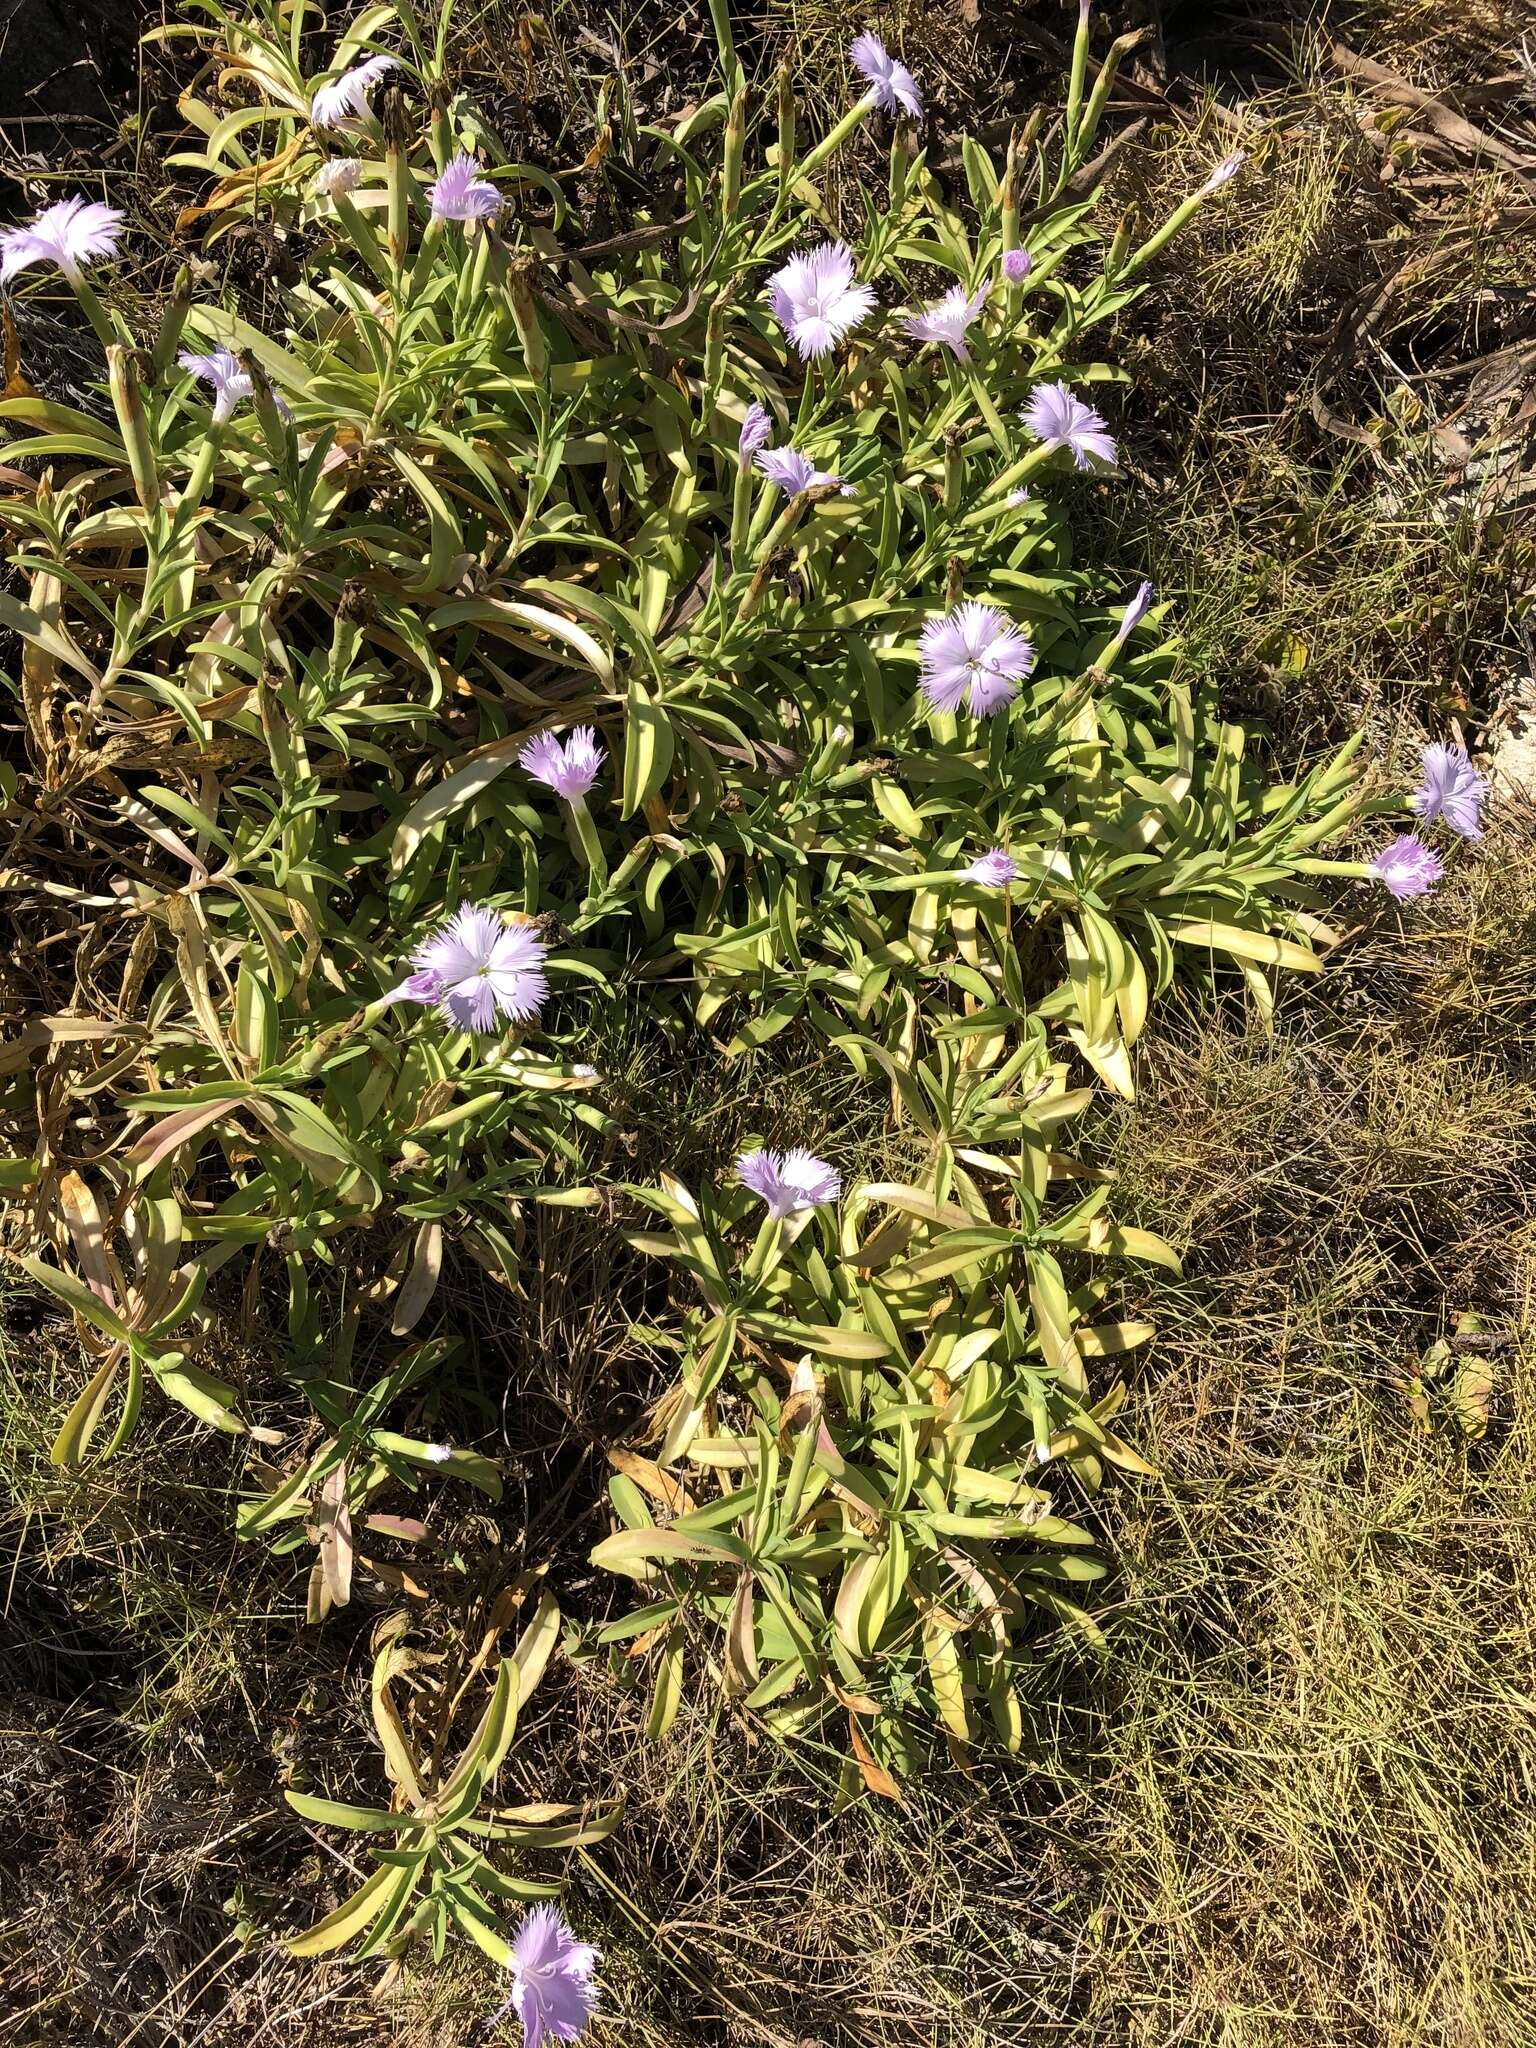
<point x="95" y="311"/>
<point x="828" y="146"/>
<point x="338" y="1034"/>
<point x="741" y="511"/>
<point x="591" y="846"/>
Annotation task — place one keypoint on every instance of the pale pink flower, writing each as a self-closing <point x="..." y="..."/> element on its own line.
<point x="346" y="97"/>
<point x="1063" y="421"/>
<point x="338" y="175"/>
<point x="974" y="656"/>
<point x="568" y="770"/>
<point x="1134" y="613"/>
<point x="1407" y="868"/>
<point x="789" y="1181"/>
<point x="948" y="321"/>
<point x="1451" y="788"/>
<point x="895" y="87"/>
<point x="756" y="431"/>
<point x="476" y="968"/>
<point x="794" y="472"/>
<point x="66" y="234"/>
<point x="461" y="194"/>
<point x="816" y="299"/>
<point x="553" y="1992"/>
<point x="1224" y="173"/>
<point x="222" y="373"/>
<point x="994" y="870"/>
<point x="230" y="384"/>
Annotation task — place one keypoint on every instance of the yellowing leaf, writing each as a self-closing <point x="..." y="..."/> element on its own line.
<point x="348" y="1920"/>
<point x="1244" y="944"/>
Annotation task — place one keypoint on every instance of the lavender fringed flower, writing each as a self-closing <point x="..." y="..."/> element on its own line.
<point x="949" y="320"/>
<point x="475" y="968"/>
<point x="221" y="371"/>
<point x="1407" y="867"/>
<point x="552" y="1989"/>
<point x="975" y="656"/>
<point x="994" y="870"/>
<point x="789" y="1181"/>
<point x="816" y="299"/>
<point x="229" y="382"/>
<point x="756" y="431"/>
<point x="1018" y="496"/>
<point x="568" y="770"/>
<point x="461" y="194"/>
<point x="794" y="472"/>
<point x="1061" y="420"/>
<point x="1224" y="173"/>
<point x="346" y="98"/>
<point x="67" y="234"/>
<point x="1017" y="265"/>
<point x="338" y="175"/>
<point x="895" y="87"/>
<point x="1451" y="789"/>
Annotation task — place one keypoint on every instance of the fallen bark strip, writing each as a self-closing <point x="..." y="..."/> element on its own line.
<point x="1443" y="120"/>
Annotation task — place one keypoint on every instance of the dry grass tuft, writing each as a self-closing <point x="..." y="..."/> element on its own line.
<point x="1309" y="1811"/>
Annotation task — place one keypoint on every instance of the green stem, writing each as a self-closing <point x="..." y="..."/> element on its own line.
<point x="741" y="512"/>
<point x="1078" y="73"/>
<point x="338" y="1034"/>
<point x="586" y="835"/>
<point x="1082" y="142"/>
<point x="785" y="86"/>
<point x="828" y="146"/>
<point x="725" y="43"/>
<point x="775" y="538"/>
<point x="1004" y="481"/>
<point x="199" y="478"/>
<point x="1164" y="235"/>
<point x="95" y="311"/>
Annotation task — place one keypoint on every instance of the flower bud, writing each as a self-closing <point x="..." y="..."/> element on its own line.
<point x="1122" y="241"/>
<point x="128" y="402"/>
<point x="271" y="412"/>
<point x="172" y="321"/>
<point x="954" y="469"/>
<point x="834" y="755"/>
<point x="785" y="85"/>
<point x="525" y="315"/>
<point x="394" y="119"/>
<point x="735" y="148"/>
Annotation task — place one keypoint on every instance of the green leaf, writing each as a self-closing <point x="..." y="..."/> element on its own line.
<point x="83" y="1420"/>
<point x="453" y="794"/>
<point x="367" y="1820"/>
<point x="633" y="1551"/>
<point x="493" y="1736"/>
<point x="210" y="1400"/>
<point x="648" y="748"/>
<point x="75" y="1295"/>
<point x="668" y="1692"/>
